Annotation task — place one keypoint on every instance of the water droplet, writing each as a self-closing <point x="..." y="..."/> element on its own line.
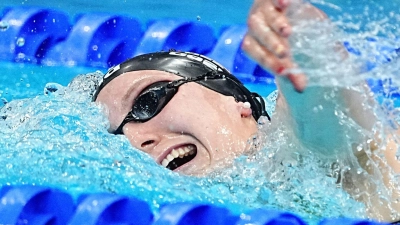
<point x="21" y="42"/>
<point x="4" y="26"/>
<point x="20" y="55"/>
<point x="3" y="101"/>
<point x="198" y="18"/>
<point x="51" y="88"/>
<point x="95" y="47"/>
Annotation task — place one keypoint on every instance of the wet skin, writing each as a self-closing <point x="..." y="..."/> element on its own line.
<point x="215" y="126"/>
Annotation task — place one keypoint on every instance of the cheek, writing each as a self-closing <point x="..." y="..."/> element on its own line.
<point x="113" y="113"/>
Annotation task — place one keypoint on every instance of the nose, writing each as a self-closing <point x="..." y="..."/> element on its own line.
<point x="147" y="144"/>
<point x="142" y="139"/>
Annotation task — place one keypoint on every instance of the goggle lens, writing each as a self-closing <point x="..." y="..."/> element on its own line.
<point x="145" y="106"/>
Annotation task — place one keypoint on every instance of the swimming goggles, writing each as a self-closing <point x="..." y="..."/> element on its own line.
<point x="156" y="96"/>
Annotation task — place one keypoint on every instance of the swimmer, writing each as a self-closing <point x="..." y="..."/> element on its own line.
<point x="192" y="116"/>
<point x="185" y="110"/>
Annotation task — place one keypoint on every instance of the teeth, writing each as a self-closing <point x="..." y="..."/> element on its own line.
<point x="187" y="150"/>
<point x="175" y="153"/>
<point x="180" y="152"/>
<point x="170" y="157"/>
<point x="165" y="162"/>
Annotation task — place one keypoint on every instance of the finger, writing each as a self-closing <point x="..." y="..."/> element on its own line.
<point x="268" y="15"/>
<point x="275" y="16"/>
<point x="281" y="26"/>
<point x="281" y="4"/>
<point x="264" y="35"/>
<point x="268" y="60"/>
<point x="264" y="57"/>
<point x="299" y="81"/>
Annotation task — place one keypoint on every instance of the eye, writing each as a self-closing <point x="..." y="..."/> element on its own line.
<point x="146" y="105"/>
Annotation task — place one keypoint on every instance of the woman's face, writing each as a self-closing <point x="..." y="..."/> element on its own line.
<point x="197" y="122"/>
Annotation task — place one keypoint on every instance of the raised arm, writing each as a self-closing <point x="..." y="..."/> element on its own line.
<point x="313" y="117"/>
<point x="267" y="38"/>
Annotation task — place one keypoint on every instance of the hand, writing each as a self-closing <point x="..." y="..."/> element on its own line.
<point x="267" y="38"/>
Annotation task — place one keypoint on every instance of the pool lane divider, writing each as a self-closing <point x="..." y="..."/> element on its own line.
<point x="26" y="33"/>
<point x="47" y="37"/>
<point x="101" y="40"/>
<point x="96" y="40"/>
<point x="36" y="205"/>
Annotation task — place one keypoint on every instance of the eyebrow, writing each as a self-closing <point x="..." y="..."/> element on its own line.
<point x="128" y="93"/>
<point x="137" y="84"/>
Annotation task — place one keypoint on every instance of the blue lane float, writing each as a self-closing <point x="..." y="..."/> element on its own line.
<point x="110" y="209"/>
<point x="27" y="33"/>
<point x="163" y="35"/>
<point x="97" y="40"/>
<point x="229" y="53"/>
<point x="45" y="36"/>
<point x="33" y="205"/>
<point x="199" y="214"/>
<point x="270" y="217"/>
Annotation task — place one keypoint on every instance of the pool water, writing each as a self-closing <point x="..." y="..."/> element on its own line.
<point x="61" y="137"/>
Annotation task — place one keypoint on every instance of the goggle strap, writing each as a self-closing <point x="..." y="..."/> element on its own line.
<point x="258" y="98"/>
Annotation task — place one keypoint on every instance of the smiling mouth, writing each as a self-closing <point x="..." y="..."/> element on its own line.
<point x="179" y="156"/>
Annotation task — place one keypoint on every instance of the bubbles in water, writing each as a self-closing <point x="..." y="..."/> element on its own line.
<point x="71" y="131"/>
<point x="3" y="101"/>
<point x="20" y="41"/>
<point x="198" y="18"/>
<point x="4" y="25"/>
<point x="51" y="88"/>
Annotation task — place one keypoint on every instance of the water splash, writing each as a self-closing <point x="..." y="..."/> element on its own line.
<point x="60" y="139"/>
<point x="318" y="49"/>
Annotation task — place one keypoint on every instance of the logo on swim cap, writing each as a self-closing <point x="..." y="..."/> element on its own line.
<point x="112" y="70"/>
<point x="213" y="65"/>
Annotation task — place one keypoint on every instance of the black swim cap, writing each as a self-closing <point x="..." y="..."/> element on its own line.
<point x="189" y="65"/>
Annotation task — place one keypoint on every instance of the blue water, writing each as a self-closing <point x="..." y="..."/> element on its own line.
<point x="55" y="136"/>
